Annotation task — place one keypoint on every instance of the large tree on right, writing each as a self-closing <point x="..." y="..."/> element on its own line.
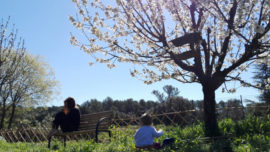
<point x="209" y="42"/>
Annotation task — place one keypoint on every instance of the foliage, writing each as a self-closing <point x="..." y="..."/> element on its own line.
<point x="233" y="108"/>
<point x="227" y="126"/>
<point x="11" y="54"/>
<point x="33" y="83"/>
<point x="132" y="108"/>
<point x="262" y="77"/>
<point x="253" y="125"/>
<point x="34" y="116"/>
<point x="25" y="79"/>
<point x="122" y="108"/>
<point x="188" y="139"/>
<point x="170" y="92"/>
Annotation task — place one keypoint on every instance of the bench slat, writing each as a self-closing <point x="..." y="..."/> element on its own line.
<point x="97" y="115"/>
<point x="78" y="132"/>
<point x="92" y="119"/>
<point x="89" y="121"/>
<point x="87" y="126"/>
<point x="95" y="120"/>
<point x="94" y="125"/>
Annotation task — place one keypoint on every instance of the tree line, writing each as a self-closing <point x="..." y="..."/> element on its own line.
<point x="171" y="102"/>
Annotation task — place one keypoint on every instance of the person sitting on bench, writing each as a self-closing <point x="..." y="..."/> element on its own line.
<point x="68" y="119"/>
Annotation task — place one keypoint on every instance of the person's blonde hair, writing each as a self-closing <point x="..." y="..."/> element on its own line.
<point x="146" y="119"/>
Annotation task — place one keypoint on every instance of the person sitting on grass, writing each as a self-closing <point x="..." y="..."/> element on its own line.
<point x="68" y="119"/>
<point x="144" y="136"/>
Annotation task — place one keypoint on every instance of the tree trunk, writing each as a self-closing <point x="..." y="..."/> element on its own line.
<point x="3" y="116"/>
<point x="12" y="115"/>
<point x="210" y="118"/>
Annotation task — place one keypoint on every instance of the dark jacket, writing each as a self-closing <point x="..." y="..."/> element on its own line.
<point x="73" y="119"/>
<point x="69" y="122"/>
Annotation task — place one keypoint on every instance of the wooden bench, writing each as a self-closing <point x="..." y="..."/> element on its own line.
<point x="89" y="124"/>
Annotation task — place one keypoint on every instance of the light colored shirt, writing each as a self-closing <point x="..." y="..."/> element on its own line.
<point x="145" y="135"/>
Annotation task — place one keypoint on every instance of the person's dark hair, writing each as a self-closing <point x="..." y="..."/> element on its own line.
<point x="146" y="119"/>
<point x="70" y="102"/>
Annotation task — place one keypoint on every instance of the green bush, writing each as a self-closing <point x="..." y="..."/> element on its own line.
<point x="254" y="143"/>
<point x="252" y="125"/>
<point x="227" y="127"/>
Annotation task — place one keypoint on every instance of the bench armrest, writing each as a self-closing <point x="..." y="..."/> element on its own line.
<point x="99" y="122"/>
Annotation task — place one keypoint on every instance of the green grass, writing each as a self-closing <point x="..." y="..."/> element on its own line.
<point x="249" y="135"/>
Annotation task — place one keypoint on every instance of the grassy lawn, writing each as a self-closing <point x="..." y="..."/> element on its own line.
<point x="249" y="135"/>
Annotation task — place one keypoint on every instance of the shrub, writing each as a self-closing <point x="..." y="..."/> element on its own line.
<point x="227" y="126"/>
<point x="252" y="125"/>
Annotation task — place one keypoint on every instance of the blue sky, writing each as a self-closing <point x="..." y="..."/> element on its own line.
<point x="45" y="27"/>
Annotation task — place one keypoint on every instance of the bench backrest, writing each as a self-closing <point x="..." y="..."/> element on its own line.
<point x="89" y="121"/>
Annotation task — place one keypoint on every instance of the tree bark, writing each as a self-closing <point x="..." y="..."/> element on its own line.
<point x="210" y="118"/>
<point x="3" y="116"/>
<point x="12" y="115"/>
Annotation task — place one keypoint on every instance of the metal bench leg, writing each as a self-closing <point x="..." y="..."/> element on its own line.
<point x="96" y="136"/>
<point x="110" y="134"/>
<point x="65" y="139"/>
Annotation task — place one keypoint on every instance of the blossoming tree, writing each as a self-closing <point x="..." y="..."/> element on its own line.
<point x="192" y="41"/>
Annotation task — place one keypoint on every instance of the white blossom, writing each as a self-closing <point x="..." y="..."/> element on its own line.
<point x="233" y="90"/>
<point x="127" y="31"/>
<point x="258" y="28"/>
<point x="85" y="2"/>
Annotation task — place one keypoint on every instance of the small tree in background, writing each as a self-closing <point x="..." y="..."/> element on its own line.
<point x="169" y="91"/>
<point x="11" y="54"/>
<point x="216" y="40"/>
<point x="33" y="83"/>
<point x="25" y="80"/>
<point x="262" y="78"/>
